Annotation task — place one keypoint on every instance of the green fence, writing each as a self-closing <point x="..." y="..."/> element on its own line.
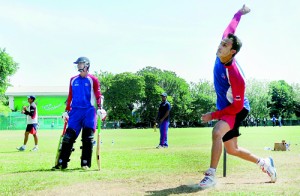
<point x="18" y="121"/>
<point x="13" y="121"/>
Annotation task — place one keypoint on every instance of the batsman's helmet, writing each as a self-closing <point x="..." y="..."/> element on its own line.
<point x="84" y="60"/>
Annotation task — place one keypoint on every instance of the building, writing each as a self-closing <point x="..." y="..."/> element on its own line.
<point x="50" y="101"/>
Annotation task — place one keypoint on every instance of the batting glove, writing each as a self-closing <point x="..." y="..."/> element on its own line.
<point x="101" y="114"/>
<point x="65" y="116"/>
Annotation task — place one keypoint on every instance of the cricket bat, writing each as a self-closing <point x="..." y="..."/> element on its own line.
<point x="98" y="144"/>
<point x="60" y="143"/>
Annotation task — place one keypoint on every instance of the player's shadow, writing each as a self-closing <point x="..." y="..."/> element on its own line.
<point x="145" y="148"/>
<point x="177" y="190"/>
<point x="50" y="170"/>
<point x="8" y="152"/>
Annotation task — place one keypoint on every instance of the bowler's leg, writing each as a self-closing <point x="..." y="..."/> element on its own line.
<point x="220" y="129"/>
<point x="232" y="148"/>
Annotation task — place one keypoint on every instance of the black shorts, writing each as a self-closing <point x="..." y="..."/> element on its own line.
<point x="31" y="128"/>
<point x="238" y="120"/>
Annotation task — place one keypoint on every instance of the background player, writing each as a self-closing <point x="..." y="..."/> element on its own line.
<point x="163" y="117"/>
<point x="32" y="123"/>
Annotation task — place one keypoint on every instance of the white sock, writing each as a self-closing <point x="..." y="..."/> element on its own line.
<point x="24" y="146"/>
<point x="260" y="162"/>
<point x="36" y="146"/>
<point x="213" y="170"/>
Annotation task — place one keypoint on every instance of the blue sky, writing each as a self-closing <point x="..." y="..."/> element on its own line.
<point x="46" y="37"/>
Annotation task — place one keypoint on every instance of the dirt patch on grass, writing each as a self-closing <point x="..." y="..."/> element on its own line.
<point x="242" y="179"/>
<point x="256" y="182"/>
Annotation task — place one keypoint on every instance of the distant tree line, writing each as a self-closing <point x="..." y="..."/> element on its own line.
<point x="134" y="98"/>
<point x="8" y="67"/>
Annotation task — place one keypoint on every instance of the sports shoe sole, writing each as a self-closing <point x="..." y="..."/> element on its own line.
<point x="21" y="150"/>
<point x="55" y="169"/>
<point x="58" y="169"/>
<point x="274" y="178"/>
<point x="205" y="186"/>
<point x="85" y="167"/>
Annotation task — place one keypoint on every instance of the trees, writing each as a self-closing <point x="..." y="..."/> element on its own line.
<point x="296" y="90"/>
<point x="135" y="97"/>
<point x="149" y="104"/>
<point x="105" y="79"/>
<point x="203" y="99"/>
<point x="124" y="91"/>
<point x="177" y="90"/>
<point x="258" y="94"/>
<point x="283" y="99"/>
<point x="8" y="67"/>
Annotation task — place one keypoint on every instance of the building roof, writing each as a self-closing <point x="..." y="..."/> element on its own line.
<point x="36" y="90"/>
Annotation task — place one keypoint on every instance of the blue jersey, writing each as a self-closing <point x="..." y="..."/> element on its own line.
<point x="163" y="108"/>
<point x="223" y="85"/>
<point x="84" y="92"/>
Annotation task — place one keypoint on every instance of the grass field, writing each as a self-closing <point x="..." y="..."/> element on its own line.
<point x="132" y="165"/>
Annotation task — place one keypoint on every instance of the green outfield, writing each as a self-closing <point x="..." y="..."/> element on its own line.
<point x="132" y="166"/>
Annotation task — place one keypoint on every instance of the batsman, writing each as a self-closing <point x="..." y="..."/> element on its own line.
<point x="80" y="115"/>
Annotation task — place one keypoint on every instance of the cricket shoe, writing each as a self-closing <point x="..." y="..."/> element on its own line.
<point x="85" y="167"/>
<point x="208" y="180"/>
<point x="269" y="168"/>
<point x="21" y="148"/>
<point x="35" y="149"/>
<point x="159" y="146"/>
<point x="60" y="166"/>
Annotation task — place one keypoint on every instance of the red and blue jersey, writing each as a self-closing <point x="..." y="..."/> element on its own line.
<point x="32" y="114"/>
<point x="229" y="81"/>
<point x="84" y="92"/>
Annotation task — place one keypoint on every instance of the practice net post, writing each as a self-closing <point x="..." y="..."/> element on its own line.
<point x="224" y="162"/>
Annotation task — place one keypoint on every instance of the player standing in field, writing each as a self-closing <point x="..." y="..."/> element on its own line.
<point x="232" y="106"/>
<point x="32" y="123"/>
<point x="84" y="93"/>
<point x="163" y="117"/>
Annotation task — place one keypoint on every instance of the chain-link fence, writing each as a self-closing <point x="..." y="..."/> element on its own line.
<point x="13" y="121"/>
<point x="18" y="121"/>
